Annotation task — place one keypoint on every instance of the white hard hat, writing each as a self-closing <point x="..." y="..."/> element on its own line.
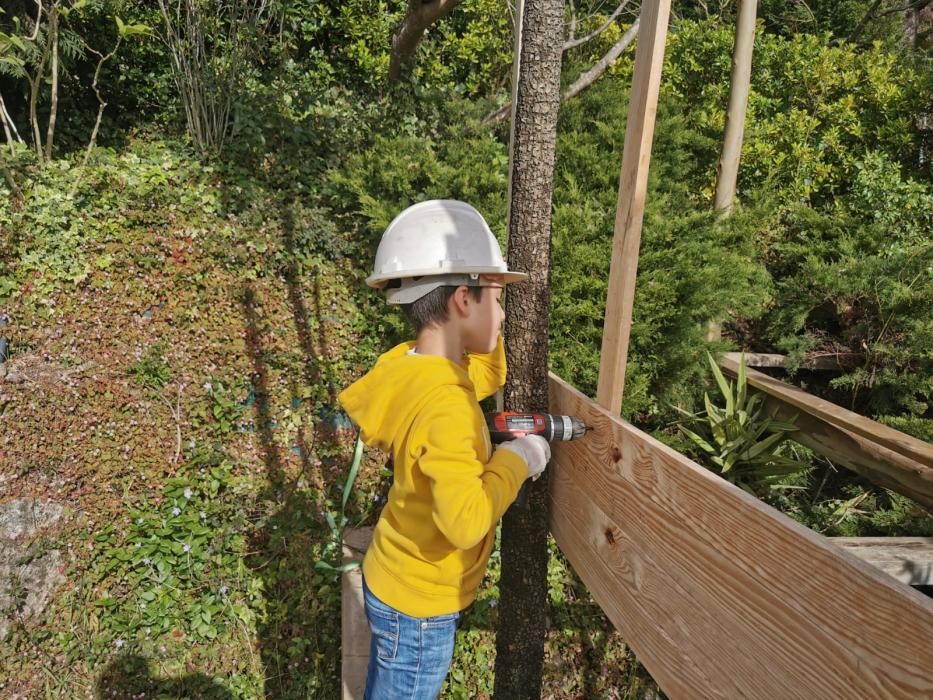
<point x="436" y="243"/>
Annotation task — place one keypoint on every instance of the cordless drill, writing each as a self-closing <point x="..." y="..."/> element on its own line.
<point x="508" y="425"/>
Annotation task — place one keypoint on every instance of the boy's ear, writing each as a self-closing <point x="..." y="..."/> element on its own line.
<point x="460" y="300"/>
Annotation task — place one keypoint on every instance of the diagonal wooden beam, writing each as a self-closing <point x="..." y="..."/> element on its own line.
<point x="888" y="457"/>
<point x="719" y="595"/>
<point x="912" y="448"/>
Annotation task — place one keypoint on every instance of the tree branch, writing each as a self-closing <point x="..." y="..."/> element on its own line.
<point x="406" y="37"/>
<point x="593" y="74"/>
<point x="584" y="81"/>
<point x="35" y="29"/>
<point x="102" y="105"/>
<point x="11" y="181"/>
<point x="572" y="33"/>
<point x="8" y="125"/>
<point x="573" y="43"/>
<point x="866" y="18"/>
<point x="903" y="8"/>
<point x="53" y="107"/>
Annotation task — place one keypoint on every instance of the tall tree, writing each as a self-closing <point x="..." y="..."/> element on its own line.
<point x="523" y="584"/>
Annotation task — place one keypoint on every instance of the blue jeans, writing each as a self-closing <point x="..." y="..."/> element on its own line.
<point x="408" y="656"/>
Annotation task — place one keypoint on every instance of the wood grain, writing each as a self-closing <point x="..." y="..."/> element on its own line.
<point x="878" y="464"/>
<point x="719" y="595"/>
<point x="630" y="203"/>
<point x="828" y="361"/>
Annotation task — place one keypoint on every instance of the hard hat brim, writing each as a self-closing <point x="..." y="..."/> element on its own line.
<point x="414" y="289"/>
<point x="379" y="281"/>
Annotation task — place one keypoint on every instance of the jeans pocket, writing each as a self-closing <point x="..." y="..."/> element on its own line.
<point x="384" y="627"/>
<point x="437" y="641"/>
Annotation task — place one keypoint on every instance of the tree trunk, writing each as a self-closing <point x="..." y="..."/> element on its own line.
<point x="738" y="103"/>
<point x="911" y="25"/>
<point x="586" y="78"/>
<point x="523" y="584"/>
<point x="735" y="123"/>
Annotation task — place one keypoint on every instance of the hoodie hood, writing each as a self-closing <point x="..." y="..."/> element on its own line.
<point x="384" y="401"/>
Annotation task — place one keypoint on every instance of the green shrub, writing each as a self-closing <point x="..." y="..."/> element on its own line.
<point x="857" y="278"/>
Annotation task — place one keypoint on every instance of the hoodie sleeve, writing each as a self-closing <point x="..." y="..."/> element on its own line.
<point x="487" y="371"/>
<point x="469" y="493"/>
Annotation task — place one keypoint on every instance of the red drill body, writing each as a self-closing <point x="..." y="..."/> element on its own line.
<point x="508" y="425"/>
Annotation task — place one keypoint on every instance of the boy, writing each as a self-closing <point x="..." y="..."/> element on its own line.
<point x="420" y="402"/>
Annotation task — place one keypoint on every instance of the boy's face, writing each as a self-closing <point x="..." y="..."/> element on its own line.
<point x="483" y="323"/>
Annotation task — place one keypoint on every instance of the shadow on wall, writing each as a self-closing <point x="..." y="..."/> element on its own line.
<point x="127" y="677"/>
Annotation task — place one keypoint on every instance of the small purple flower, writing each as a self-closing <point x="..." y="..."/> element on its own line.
<point x="176" y="511"/>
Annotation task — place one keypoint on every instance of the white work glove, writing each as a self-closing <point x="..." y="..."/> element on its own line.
<point x="534" y="449"/>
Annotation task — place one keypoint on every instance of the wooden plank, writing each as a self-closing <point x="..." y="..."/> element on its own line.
<point x="830" y="361"/>
<point x="878" y="464"/>
<point x="908" y="559"/>
<point x="630" y="204"/>
<point x="354" y="629"/>
<point x="910" y="447"/>
<point x="719" y="595"/>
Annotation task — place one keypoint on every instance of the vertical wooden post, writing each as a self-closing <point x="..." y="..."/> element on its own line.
<point x="630" y="206"/>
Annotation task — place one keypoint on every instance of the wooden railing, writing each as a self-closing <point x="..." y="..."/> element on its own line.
<point x="719" y="595"/>
<point x="881" y="454"/>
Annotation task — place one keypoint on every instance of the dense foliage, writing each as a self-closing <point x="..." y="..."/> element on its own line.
<point x="187" y="316"/>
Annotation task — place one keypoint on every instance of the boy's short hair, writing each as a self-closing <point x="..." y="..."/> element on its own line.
<point x="432" y="307"/>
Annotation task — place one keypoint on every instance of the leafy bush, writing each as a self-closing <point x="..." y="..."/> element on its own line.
<point x="56" y="239"/>
<point x="814" y="110"/>
<point x="858" y="279"/>
<point x="829" y="149"/>
<point x="177" y="563"/>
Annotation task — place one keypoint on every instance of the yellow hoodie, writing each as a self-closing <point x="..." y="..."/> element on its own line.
<point x="430" y="547"/>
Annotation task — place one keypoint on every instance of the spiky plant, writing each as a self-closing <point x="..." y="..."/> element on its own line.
<point x="740" y="439"/>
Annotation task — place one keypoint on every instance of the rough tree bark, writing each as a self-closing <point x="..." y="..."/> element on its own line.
<point x="523" y="583"/>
